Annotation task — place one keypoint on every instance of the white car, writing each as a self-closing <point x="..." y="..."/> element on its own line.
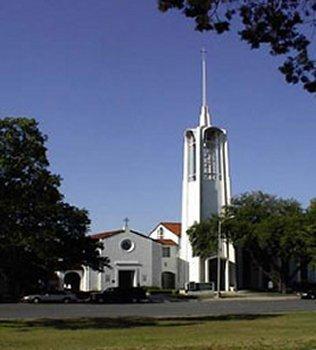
<point x="52" y="297"/>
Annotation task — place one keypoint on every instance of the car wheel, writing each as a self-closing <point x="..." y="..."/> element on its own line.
<point x="36" y="300"/>
<point x="66" y="301"/>
<point x="101" y="300"/>
<point x="313" y="297"/>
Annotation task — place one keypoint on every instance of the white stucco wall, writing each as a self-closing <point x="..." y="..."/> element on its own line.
<point x="171" y="264"/>
<point x="167" y="234"/>
<point x="144" y="259"/>
<point x="156" y="264"/>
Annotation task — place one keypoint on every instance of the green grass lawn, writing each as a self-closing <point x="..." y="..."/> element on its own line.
<point x="290" y="331"/>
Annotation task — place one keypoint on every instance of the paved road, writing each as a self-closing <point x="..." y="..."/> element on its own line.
<point x="168" y="309"/>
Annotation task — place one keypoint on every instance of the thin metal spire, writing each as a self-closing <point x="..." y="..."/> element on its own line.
<point x="204" y="116"/>
<point x="204" y="78"/>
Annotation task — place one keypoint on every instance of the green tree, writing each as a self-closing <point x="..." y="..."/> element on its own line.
<point x="310" y="255"/>
<point x="39" y="232"/>
<point x="204" y="237"/>
<point x="286" y="27"/>
<point x="272" y="230"/>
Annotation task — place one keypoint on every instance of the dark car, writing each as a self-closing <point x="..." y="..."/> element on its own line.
<point x="310" y="294"/>
<point x="120" y="295"/>
<point x="51" y="297"/>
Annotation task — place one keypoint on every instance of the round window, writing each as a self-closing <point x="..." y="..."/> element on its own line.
<point x="127" y="245"/>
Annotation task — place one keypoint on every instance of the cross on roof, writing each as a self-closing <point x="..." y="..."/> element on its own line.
<point x="126" y="221"/>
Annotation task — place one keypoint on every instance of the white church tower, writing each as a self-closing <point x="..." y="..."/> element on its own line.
<point x="206" y="189"/>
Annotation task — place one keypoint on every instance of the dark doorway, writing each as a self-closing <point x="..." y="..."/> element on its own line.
<point x="126" y="279"/>
<point x="213" y="273"/>
<point x="232" y="274"/>
<point x="72" y="279"/>
<point x="168" y="280"/>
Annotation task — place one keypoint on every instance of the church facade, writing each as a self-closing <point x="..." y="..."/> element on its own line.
<point x="136" y="259"/>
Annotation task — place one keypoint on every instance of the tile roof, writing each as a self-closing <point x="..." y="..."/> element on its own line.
<point x="166" y="242"/>
<point x="174" y="227"/>
<point x="107" y="234"/>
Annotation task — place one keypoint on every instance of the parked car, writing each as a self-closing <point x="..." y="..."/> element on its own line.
<point x="52" y="297"/>
<point x="310" y="294"/>
<point x="120" y="295"/>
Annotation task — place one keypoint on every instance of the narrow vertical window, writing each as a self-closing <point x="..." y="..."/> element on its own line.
<point x="212" y="155"/>
<point x="166" y="252"/>
<point x="191" y="156"/>
<point x="161" y="233"/>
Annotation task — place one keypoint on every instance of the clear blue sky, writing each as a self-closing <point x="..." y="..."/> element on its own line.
<point x="115" y="83"/>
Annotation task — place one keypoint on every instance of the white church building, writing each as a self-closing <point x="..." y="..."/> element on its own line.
<point x="136" y="259"/>
<point x="163" y="257"/>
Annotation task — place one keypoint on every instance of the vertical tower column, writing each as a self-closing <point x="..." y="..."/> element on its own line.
<point x="205" y="186"/>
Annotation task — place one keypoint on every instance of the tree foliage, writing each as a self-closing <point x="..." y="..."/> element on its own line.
<point x="274" y="232"/>
<point x="285" y="26"/>
<point x="39" y="232"/>
<point x="204" y="237"/>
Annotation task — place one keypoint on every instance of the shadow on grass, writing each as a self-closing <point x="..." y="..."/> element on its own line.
<point x="123" y="322"/>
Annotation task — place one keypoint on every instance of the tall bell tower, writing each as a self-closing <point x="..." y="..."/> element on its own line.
<point x="205" y="189"/>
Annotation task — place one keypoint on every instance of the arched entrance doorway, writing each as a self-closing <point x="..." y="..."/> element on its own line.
<point x="168" y="280"/>
<point x="72" y="281"/>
